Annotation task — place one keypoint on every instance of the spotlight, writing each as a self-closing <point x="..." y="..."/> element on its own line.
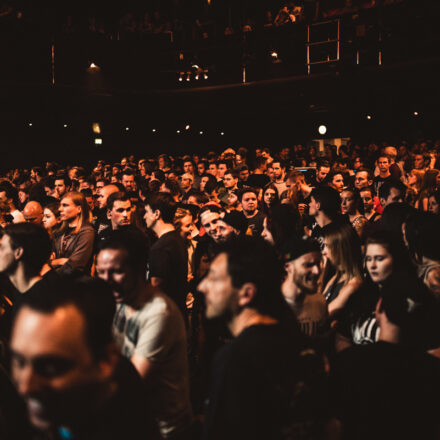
<point x="188" y="78"/>
<point x="369" y="117"/>
<point x="187" y="127"/>
<point x="127" y="128"/>
<point x="154" y="130"/>
<point x="93" y="66"/>
<point x="222" y="133"/>
<point x="65" y="125"/>
<point x="180" y="79"/>
<point x="30" y="124"/>
<point x="274" y="55"/>
<point x="197" y="77"/>
<point x="322" y="129"/>
<point x="201" y="132"/>
<point x="205" y="75"/>
<point x="416" y="113"/>
<point x="98" y="141"/>
<point x="178" y="131"/>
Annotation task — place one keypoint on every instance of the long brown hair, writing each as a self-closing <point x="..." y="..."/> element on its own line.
<point x="345" y="247"/>
<point x="84" y="216"/>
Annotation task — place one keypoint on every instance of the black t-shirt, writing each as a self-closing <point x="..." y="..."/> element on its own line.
<point x="255" y="223"/>
<point x="254" y="388"/>
<point x="169" y="261"/>
<point x="378" y="182"/>
<point x="386" y="391"/>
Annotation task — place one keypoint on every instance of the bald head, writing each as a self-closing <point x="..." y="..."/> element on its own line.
<point x="104" y="193"/>
<point x="33" y="212"/>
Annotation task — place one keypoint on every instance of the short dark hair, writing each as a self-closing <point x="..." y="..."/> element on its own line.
<point x="10" y="191"/>
<point x="92" y="297"/>
<point x="245" y="254"/>
<point x="65" y="178"/>
<point x="385" y="188"/>
<point x="329" y="199"/>
<point x="128" y="241"/>
<point x="247" y="189"/>
<point x="200" y="196"/>
<point x="164" y="203"/>
<point x="121" y="196"/>
<point x="366" y="170"/>
<point x="128" y="172"/>
<point x="233" y="172"/>
<point x="35" y="242"/>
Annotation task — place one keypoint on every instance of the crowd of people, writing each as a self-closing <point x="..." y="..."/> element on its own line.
<point x="242" y="294"/>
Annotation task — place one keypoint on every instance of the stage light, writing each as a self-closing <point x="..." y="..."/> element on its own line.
<point x="369" y="117"/>
<point x="154" y="130"/>
<point x="30" y="124"/>
<point x="178" y="132"/>
<point x="65" y="125"/>
<point x="98" y="141"/>
<point x="96" y="128"/>
<point x="322" y="129"/>
<point x="188" y="78"/>
<point x="274" y="55"/>
<point x="416" y="113"/>
<point x="180" y="79"/>
<point x="197" y="77"/>
<point x="187" y="127"/>
<point x="93" y="66"/>
<point x="127" y="128"/>
<point x="205" y="75"/>
<point x="222" y="133"/>
<point x="201" y="132"/>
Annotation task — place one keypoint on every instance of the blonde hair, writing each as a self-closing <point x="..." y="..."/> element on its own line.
<point x="180" y="214"/>
<point x="84" y="216"/>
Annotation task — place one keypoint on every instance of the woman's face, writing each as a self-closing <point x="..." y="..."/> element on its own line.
<point x="326" y="251"/>
<point x="49" y="219"/>
<point x="378" y="262"/>
<point x="68" y="210"/>
<point x="269" y="196"/>
<point x="433" y="206"/>
<point x="266" y="234"/>
<point x="348" y="204"/>
<point x="186" y="227"/>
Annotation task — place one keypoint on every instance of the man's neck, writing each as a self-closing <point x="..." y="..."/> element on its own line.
<point x="23" y="281"/>
<point x="247" y="318"/>
<point x="250" y="214"/>
<point x="161" y="228"/>
<point x="279" y="180"/>
<point x="322" y="219"/>
<point x="385" y="174"/>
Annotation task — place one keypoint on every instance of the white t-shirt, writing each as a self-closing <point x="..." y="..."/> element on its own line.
<point x="157" y="332"/>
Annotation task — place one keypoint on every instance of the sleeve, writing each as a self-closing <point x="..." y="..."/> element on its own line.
<point x="82" y="253"/>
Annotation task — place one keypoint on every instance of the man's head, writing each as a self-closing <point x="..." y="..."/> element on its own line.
<point x="230" y="225"/>
<point x="279" y="168"/>
<point x="322" y="171"/>
<point x="33" y="212"/>
<point x="243" y="173"/>
<point x="325" y="199"/>
<point x="122" y="263"/>
<point x="392" y="191"/>
<point x="249" y="200"/>
<point x="367" y="197"/>
<point x="209" y="217"/>
<point x="8" y="194"/>
<point x="222" y="167"/>
<point x="230" y="179"/>
<point x="24" y="243"/>
<point x="363" y="178"/>
<point x="336" y="180"/>
<point x="419" y="161"/>
<point x="235" y="282"/>
<point x="212" y="169"/>
<point x="128" y="180"/>
<point x="188" y="166"/>
<point x="119" y="209"/>
<point x="186" y="181"/>
<point x="303" y="266"/>
<point x="104" y="194"/>
<point x="383" y="163"/>
<point x="159" y="207"/>
<point x="62" y="185"/>
<point x="62" y="352"/>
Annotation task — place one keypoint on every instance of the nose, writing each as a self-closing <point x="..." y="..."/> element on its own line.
<point x="201" y="286"/>
<point x="28" y="381"/>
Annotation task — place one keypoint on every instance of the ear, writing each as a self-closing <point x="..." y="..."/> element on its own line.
<point x="246" y="294"/>
<point x="18" y="253"/>
<point x="318" y="206"/>
<point x="157" y="214"/>
<point x="108" y="214"/>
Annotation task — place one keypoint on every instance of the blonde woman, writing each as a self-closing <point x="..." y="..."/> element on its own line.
<point x="342" y="248"/>
<point x="73" y="242"/>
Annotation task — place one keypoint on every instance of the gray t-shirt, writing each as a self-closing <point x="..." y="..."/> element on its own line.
<point x="157" y="332"/>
